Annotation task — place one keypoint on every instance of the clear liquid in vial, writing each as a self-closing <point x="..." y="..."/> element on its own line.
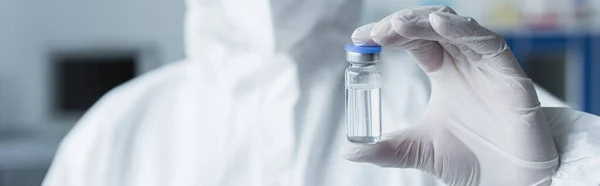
<point x="363" y="114"/>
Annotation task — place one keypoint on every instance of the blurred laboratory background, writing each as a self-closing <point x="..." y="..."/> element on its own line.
<point x="58" y="57"/>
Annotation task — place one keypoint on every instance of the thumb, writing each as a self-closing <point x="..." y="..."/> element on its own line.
<point x="401" y="149"/>
<point x="428" y="148"/>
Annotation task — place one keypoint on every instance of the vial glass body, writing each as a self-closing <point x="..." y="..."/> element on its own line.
<point x="363" y="103"/>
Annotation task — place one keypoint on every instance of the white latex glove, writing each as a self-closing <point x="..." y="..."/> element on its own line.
<point x="483" y="124"/>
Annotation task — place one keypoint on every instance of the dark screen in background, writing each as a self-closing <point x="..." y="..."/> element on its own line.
<point x="82" y="79"/>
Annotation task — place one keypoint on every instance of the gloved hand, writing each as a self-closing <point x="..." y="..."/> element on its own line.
<point x="483" y="124"/>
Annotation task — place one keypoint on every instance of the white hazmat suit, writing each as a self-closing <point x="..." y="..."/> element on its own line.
<point x="260" y="101"/>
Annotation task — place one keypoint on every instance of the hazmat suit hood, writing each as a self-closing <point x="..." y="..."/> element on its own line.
<point x="263" y="26"/>
<point x="237" y="37"/>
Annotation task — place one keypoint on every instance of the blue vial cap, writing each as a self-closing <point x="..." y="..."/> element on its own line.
<point x="363" y="49"/>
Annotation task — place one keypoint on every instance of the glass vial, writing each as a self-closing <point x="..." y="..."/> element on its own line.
<point x="363" y="94"/>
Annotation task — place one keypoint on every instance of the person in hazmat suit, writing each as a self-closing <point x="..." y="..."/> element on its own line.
<point x="259" y="101"/>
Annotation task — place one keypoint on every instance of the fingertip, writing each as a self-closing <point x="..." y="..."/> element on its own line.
<point x="446" y="8"/>
<point x="360" y="152"/>
<point x="369" y="42"/>
<point x="362" y="35"/>
<point x="351" y="151"/>
<point x="379" y="31"/>
<point x="438" y="18"/>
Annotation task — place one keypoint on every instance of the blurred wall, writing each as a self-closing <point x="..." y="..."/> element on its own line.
<point x="31" y="29"/>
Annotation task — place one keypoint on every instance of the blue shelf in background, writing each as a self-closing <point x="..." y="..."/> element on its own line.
<point x="523" y="45"/>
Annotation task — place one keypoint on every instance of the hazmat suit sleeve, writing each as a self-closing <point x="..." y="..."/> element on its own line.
<point x="577" y="137"/>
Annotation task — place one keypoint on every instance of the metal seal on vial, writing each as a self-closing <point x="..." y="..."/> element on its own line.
<point x="354" y="57"/>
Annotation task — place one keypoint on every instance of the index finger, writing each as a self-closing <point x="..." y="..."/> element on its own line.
<point x="417" y="17"/>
